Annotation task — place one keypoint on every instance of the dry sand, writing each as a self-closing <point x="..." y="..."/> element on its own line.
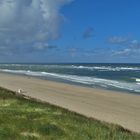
<point x="108" y="106"/>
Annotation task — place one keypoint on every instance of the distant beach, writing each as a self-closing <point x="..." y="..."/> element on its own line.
<point x="104" y="105"/>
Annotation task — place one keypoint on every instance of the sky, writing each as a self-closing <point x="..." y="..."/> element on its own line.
<point x="61" y="31"/>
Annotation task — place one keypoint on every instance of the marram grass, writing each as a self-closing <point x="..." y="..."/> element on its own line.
<point x="27" y="119"/>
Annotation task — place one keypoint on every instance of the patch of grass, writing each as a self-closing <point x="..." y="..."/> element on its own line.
<point x="23" y="119"/>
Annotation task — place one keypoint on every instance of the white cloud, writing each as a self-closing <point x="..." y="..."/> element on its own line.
<point x="118" y="40"/>
<point x="25" y="22"/>
<point x="132" y="49"/>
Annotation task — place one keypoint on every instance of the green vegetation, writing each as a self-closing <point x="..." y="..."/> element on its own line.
<point x="24" y="119"/>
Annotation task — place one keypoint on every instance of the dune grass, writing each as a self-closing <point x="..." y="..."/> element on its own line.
<point x="24" y="119"/>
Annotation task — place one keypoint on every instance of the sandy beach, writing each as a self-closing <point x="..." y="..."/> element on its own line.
<point x="108" y="106"/>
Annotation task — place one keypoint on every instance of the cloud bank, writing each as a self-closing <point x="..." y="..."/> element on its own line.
<point x="25" y="23"/>
<point x="129" y="47"/>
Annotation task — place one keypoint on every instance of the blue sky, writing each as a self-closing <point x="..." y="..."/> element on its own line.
<point x="70" y="31"/>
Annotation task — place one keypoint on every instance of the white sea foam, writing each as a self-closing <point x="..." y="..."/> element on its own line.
<point x="107" y="68"/>
<point x="138" y="79"/>
<point x="93" y="81"/>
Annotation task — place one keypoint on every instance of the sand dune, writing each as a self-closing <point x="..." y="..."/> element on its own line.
<point x="109" y="106"/>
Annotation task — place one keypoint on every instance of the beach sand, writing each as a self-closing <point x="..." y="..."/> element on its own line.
<point x="109" y="106"/>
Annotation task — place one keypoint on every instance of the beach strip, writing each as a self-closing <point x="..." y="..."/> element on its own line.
<point x="109" y="106"/>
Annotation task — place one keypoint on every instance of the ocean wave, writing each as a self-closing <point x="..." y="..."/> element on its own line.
<point x="101" y="68"/>
<point x="92" y="81"/>
<point x="84" y="67"/>
<point x="107" y="68"/>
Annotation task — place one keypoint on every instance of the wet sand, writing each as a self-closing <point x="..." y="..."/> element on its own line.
<point x="109" y="106"/>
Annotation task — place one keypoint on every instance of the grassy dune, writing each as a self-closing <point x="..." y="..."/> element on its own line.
<point x="24" y="119"/>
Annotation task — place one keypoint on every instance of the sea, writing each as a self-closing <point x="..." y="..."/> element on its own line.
<point x="117" y="77"/>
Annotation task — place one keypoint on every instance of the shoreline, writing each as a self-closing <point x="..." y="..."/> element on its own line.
<point x="105" y="105"/>
<point x="113" y="90"/>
